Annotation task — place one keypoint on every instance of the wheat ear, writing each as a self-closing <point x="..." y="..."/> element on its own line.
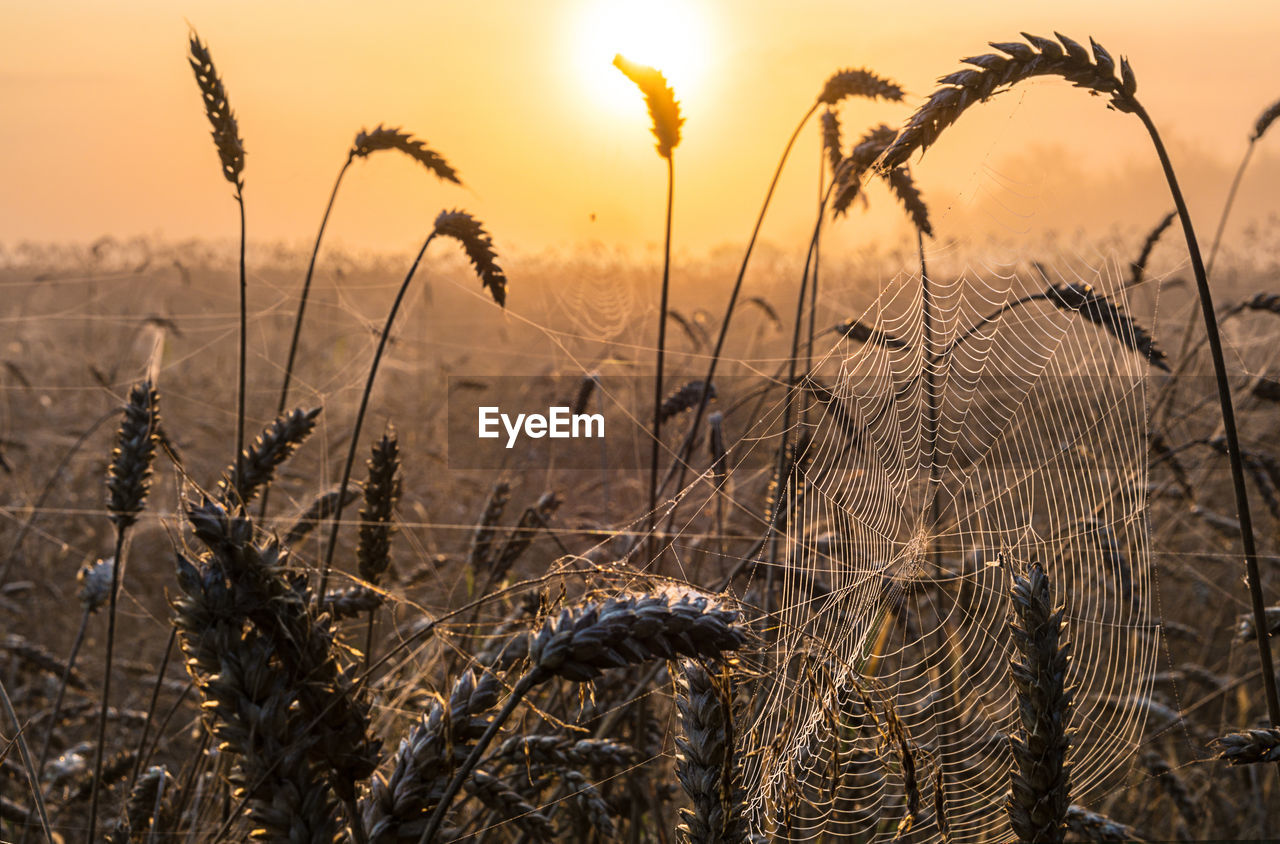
<point x="226" y="138"/>
<point x="257" y="466"/>
<point x="1041" y="777"/>
<point x="585" y="641"/>
<point x="128" y="481"/>
<point x="706" y="764"/>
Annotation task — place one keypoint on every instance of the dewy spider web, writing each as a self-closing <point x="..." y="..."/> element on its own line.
<point x="901" y="537"/>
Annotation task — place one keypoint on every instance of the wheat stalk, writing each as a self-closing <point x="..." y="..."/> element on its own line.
<point x="1260" y="127"/>
<point x="128" y="480"/>
<point x="226" y="131"/>
<point x="479" y="248"/>
<point x="993" y="72"/>
<point x="365" y="144"/>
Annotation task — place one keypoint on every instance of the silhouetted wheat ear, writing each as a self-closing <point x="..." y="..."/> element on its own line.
<point x="1250" y="747"/>
<point x="277" y="442"/>
<point x="664" y="111"/>
<point x="1268" y="302"/>
<point x="683" y="398"/>
<point x="863" y="333"/>
<point x="1041" y="777"/>
<point x="1173" y="785"/>
<point x="1099" y="310"/>
<point x="321" y="508"/>
<point x="1092" y="826"/>
<point x="585" y="641"/>
<point x="507" y="805"/>
<point x="352" y="601"/>
<point x="272" y="610"/>
<point x="479" y="248"/>
<point x="831" y="143"/>
<point x="1139" y="267"/>
<point x="381" y="492"/>
<point x="716" y="447"/>
<point x="382" y="138"/>
<point x="1265" y="120"/>
<point x="558" y="751"/>
<point x="154" y="785"/>
<point x="858" y="82"/>
<point x="129" y="475"/>
<point x="992" y="72"/>
<point x="480" y="553"/>
<point x="706" y="764"/>
<point x="397" y="805"/>
<point x="226" y="132"/>
<point x="532" y="520"/>
<point x="851" y="170"/>
<point x="586" y="386"/>
<point x="904" y="187"/>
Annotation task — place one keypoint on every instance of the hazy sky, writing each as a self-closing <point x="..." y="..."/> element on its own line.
<point x="104" y="132"/>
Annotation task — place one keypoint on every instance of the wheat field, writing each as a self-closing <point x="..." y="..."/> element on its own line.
<point x="943" y="541"/>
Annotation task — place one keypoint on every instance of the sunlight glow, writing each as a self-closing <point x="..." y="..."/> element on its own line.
<point x="667" y="34"/>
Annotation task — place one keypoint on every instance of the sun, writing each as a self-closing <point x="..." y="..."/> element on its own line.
<point x="666" y="34"/>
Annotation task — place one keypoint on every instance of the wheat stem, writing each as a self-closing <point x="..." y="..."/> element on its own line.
<point x="662" y="347"/>
<point x="1228" y="420"/>
<point x="302" y="309"/>
<point x="364" y="406"/>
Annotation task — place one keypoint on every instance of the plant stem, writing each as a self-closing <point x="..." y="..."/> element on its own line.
<point x="244" y="345"/>
<point x="1231" y="199"/>
<point x="302" y="309"/>
<point x="151" y="708"/>
<point x="106" y="682"/>
<point x="662" y="348"/>
<point x="364" y="406"/>
<point x="1228" y="422"/>
<point x="33" y="778"/>
<point x="680" y="464"/>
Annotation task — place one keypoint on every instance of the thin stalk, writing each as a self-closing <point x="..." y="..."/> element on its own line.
<point x="1231" y="199"/>
<point x="106" y="682"/>
<point x="662" y="348"/>
<point x="680" y="465"/>
<point x="364" y="406"/>
<point x="57" y="704"/>
<point x="1228" y="421"/>
<point x="302" y="309"/>
<point x="151" y="708"/>
<point x="33" y="779"/>
<point x="527" y="682"/>
<point x="244" y="346"/>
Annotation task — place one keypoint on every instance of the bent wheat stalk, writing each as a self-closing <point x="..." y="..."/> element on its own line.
<point x="479" y="248"/>
<point x="1015" y="62"/>
<point x="664" y="110"/>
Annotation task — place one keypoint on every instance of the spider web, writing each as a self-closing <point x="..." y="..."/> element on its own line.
<point x="943" y="457"/>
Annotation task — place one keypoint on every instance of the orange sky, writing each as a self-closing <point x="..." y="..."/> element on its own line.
<point x="104" y="132"/>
